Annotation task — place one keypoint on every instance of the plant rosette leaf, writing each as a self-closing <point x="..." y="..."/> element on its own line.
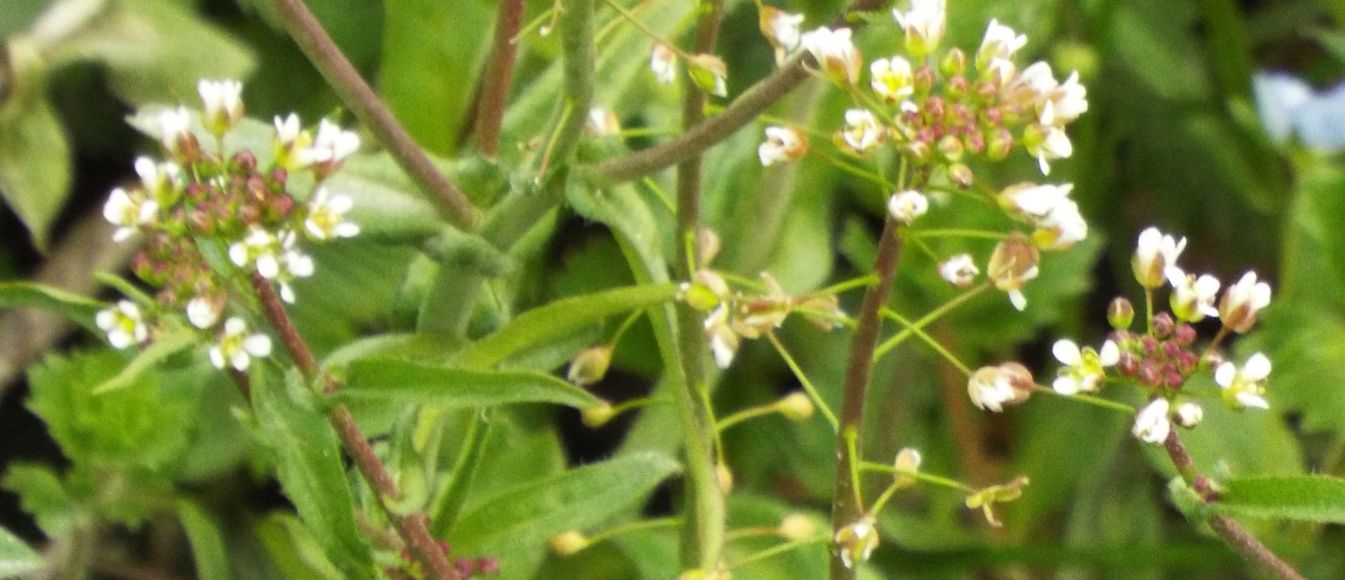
<point x="16" y="558"/>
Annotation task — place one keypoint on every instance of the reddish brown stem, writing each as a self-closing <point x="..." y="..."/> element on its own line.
<point x="413" y="528"/>
<point x="844" y="507"/>
<point x="498" y="74"/>
<point x="318" y="46"/>
<point x="1229" y="530"/>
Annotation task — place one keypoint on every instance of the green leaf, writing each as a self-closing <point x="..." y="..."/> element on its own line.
<point x="409" y="382"/>
<point x="166" y="344"/>
<point x="308" y="461"/>
<point x="141" y="424"/>
<point x="16" y="558"/>
<point x="43" y="495"/>
<point x="1313" y="498"/>
<point x="34" y="165"/>
<point x="155" y="50"/>
<point x="79" y="309"/>
<point x="207" y="542"/>
<point x="521" y="519"/>
<point x="292" y="549"/>
<point x="426" y="76"/>
<point x="558" y="318"/>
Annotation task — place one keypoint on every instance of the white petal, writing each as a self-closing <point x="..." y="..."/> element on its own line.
<point x="235" y="325"/>
<point x="1067" y="352"/>
<point x="1066" y="386"/>
<point x="1260" y="295"/>
<point x="258" y="345"/>
<point x="1250" y="399"/>
<point x="106" y="319"/>
<point x="286" y="293"/>
<point x="723" y="353"/>
<point x="347" y="230"/>
<point x="216" y="357"/>
<point x="1018" y="299"/>
<point x="267" y="266"/>
<point x="119" y="339"/>
<point x="240" y="360"/>
<point x="1110" y="355"/>
<point x="1257" y="368"/>
<point x="1225" y="374"/>
<point x="238" y="253"/>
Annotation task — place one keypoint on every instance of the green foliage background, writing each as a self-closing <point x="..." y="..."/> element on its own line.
<point x="1171" y="139"/>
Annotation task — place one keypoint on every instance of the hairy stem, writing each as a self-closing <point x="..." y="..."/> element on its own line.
<point x="742" y="111"/>
<point x="499" y="71"/>
<point x="703" y="529"/>
<point x="313" y="40"/>
<point x="1230" y="531"/>
<point x="413" y="528"/>
<point x="845" y="509"/>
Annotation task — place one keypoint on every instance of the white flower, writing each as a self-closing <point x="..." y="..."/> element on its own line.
<point x="1069" y="100"/>
<point x="861" y="133"/>
<point x="907" y="205"/>
<point x="1242" y="302"/>
<point x="924" y="25"/>
<point x="259" y="247"/>
<point x="203" y="312"/>
<point x="991" y="388"/>
<point x="1244" y="387"/>
<point x="1193" y="298"/>
<point x="159" y="179"/>
<point x="327" y="216"/>
<point x="856" y="542"/>
<point x="1189" y="414"/>
<point x="959" y="270"/>
<point x="1035" y="83"/>
<point x="1000" y="42"/>
<point x="1155" y="258"/>
<point x="663" y="63"/>
<point x="781" y="29"/>
<point x="293" y="144"/>
<point x="223" y="104"/>
<point x="782" y="144"/>
<point x="128" y="211"/>
<point x="1001" y="72"/>
<point x="890" y="78"/>
<point x="1013" y="263"/>
<point x="236" y="347"/>
<point x="123" y="324"/>
<point x="723" y="340"/>
<point x="1032" y="202"/>
<point x="291" y="264"/>
<point x="834" y="52"/>
<point x="1062" y="228"/>
<point x="173" y="126"/>
<point x="1151" y="423"/>
<point x="1084" y="368"/>
<point x="333" y="144"/>
<point x="602" y="122"/>
<point x="1046" y="141"/>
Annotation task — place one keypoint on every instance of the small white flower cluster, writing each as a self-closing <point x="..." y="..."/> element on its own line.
<point x="1049" y="209"/>
<point x="201" y="192"/>
<point x="1193" y="297"/>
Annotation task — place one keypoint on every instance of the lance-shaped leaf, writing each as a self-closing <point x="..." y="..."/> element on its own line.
<point x="207" y="541"/>
<point x="520" y="520"/>
<point x="540" y="325"/>
<point x="410" y="382"/>
<point x="1312" y="498"/>
<point x="77" y="308"/>
<point x="308" y="460"/>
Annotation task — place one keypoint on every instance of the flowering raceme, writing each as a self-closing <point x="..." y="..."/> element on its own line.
<point x="204" y="194"/>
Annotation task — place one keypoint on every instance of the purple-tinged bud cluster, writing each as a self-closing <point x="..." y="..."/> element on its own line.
<point x="1164" y="359"/>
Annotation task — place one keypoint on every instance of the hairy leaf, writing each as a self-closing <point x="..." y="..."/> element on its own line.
<point x="1312" y="498"/>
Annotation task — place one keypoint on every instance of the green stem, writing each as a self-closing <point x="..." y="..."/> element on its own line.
<point x="927" y="319"/>
<point x="874" y="466"/>
<point x="958" y="233"/>
<point x="780" y="549"/>
<point x="636" y="526"/>
<point x="934" y="344"/>
<point x="862" y="281"/>
<point x="448" y="504"/>
<point x="1089" y="399"/>
<point x="745" y="414"/>
<point x="803" y="380"/>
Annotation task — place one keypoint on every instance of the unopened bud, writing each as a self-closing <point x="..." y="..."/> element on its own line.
<point x="923" y="80"/>
<point x="796" y="527"/>
<point x="708" y="72"/>
<point x="568" y="543"/>
<point x="725" y="478"/>
<point x="1000" y="144"/>
<point x="597" y="415"/>
<point x="1120" y="314"/>
<point x="796" y="406"/>
<point x="950" y="148"/>
<point x="1164" y="325"/>
<point x="590" y="365"/>
<point x="961" y="175"/>
<point x="708" y="243"/>
<point x="1013" y="262"/>
<point x="953" y="63"/>
<point x="907" y="464"/>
